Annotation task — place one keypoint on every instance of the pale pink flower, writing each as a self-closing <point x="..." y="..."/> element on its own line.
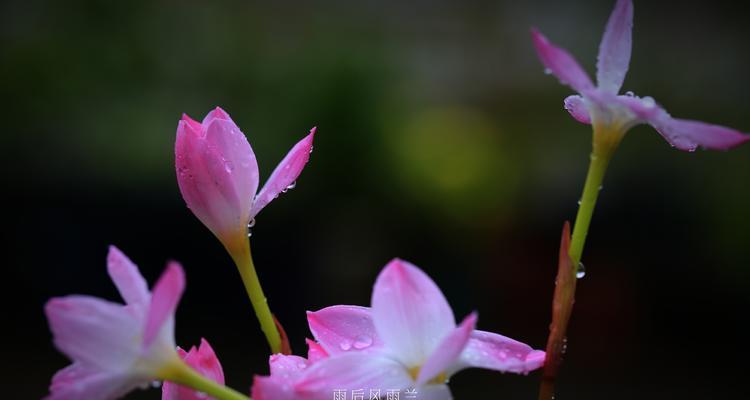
<point x="218" y="174"/>
<point x="202" y="359"/>
<point x="407" y="341"/>
<point x="601" y="105"/>
<point x="114" y="347"/>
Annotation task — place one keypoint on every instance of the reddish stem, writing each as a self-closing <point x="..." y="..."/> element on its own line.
<point x="562" y="306"/>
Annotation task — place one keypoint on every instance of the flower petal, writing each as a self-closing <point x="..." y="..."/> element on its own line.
<point x="615" y="48"/>
<point x="492" y="351"/>
<point x="448" y="351"/>
<point x="94" y="332"/>
<point x="203" y="360"/>
<point x="166" y="295"/>
<point x="559" y="62"/>
<point x="689" y="135"/>
<point x="339" y="329"/>
<point x="285" y="370"/>
<point x="576" y="106"/>
<point x="353" y="371"/>
<point x="127" y="278"/>
<point x="315" y="352"/>
<point x="76" y="382"/>
<point x="410" y="313"/>
<point x="285" y="174"/>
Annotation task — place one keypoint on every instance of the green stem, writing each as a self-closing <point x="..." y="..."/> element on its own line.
<point x="182" y="374"/>
<point x="244" y="261"/>
<point x="594" y="178"/>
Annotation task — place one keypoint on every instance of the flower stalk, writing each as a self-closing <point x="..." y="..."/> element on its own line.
<point x="243" y="259"/>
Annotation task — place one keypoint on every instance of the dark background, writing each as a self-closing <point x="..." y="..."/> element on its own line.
<point x="440" y="141"/>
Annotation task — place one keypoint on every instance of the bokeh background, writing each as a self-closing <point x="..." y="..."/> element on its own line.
<point x="440" y="141"/>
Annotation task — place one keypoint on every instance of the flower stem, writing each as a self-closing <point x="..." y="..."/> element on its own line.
<point x="571" y="249"/>
<point x="594" y="178"/>
<point x="182" y="374"/>
<point x="244" y="261"/>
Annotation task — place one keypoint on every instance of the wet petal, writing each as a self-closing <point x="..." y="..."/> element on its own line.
<point x="410" y="313"/>
<point x="448" y="350"/>
<point x="689" y="135"/>
<point x="615" y="48"/>
<point x="576" y="106"/>
<point x="339" y="329"/>
<point x="354" y="371"/>
<point x="559" y="62"/>
<point x="285" y="174"/>
<point x="492" y="351"/>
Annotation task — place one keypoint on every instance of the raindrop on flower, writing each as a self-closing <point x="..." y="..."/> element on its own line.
<point x="251" y="223"/>
<point x="345" y="345"/>
<point x="362" y="342"/>
<point x="629" y="94"/>
<point x="580" y="271"/>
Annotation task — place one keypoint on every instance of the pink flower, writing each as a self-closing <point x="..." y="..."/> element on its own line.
<point x="218" y="174"/>
<point x="204" y="360"/>
<point x="407" y="342"/>
<point x="602" y="106"/>
<point x="116" y="348"/>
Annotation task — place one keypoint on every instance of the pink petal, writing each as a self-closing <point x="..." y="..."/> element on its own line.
<point x="315" y="352"/>
<point x="614" y="50"/>
<point x="204" y="361"/>
<point x="683" y="134"/>
<point x="448" y="351"/>
<point x="166" y="295"/>
<point x="689" y="135"/>
<point x="94" y="332"/>
<point x="339" y="329"/>
<point x="285" y="370"/>
<point x="576" y="106"/>
<point x="353" y="371"/>
<point x="216" y="113"/>
<point x="409" y="312"/>
<point x="217" y="174"/>
<point x="76" y="382"/>
<point x="559" y="62"/>
<point x="285" y="174"/>
<point x="492" y="351"/>
<point x="127" y="278"/>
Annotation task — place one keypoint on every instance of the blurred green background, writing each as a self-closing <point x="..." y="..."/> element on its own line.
<point x="440" y="141"/>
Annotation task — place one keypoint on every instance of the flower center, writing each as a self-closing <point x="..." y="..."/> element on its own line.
<point x="438" y="379"/>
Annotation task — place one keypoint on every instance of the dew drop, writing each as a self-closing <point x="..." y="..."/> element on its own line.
<point x="292" y="185"/>
<point x="156" y="384"/>
<point x="251" y="223"/>
<point x="579" y="202"/>
<point x="547" y="71"/>
<point x="228" y="166"/>
<point x="362" y="342"/>
<point x="629" y="94"/>
<point x="345" y="345"/>
<point x="580" y="270"/>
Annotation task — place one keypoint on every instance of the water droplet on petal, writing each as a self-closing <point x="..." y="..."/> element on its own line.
<point x="292" y="185"/>
<point x="228" y="166"/>
<point x="629" y="94"/>
<point x="362" y="342"/>
<point x="251" y="223"/>
<point x="345" y="345"/>
<point x="580" y="271"/>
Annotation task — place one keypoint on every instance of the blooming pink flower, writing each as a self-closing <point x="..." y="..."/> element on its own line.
<point x="602" y="106"/>
<point x="407" y="341"/>
<point x="115" y="348"/>
<point x="202" y="359"/>
<point x="218" y="174"/>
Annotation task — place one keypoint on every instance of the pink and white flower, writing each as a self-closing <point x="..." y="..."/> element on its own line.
<point x="602" y="106"/>
<point x="408" y="342"/>
<point x="202" y="359"/>
<point x="114" y="347"/>
<point x="218" y="174"/>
